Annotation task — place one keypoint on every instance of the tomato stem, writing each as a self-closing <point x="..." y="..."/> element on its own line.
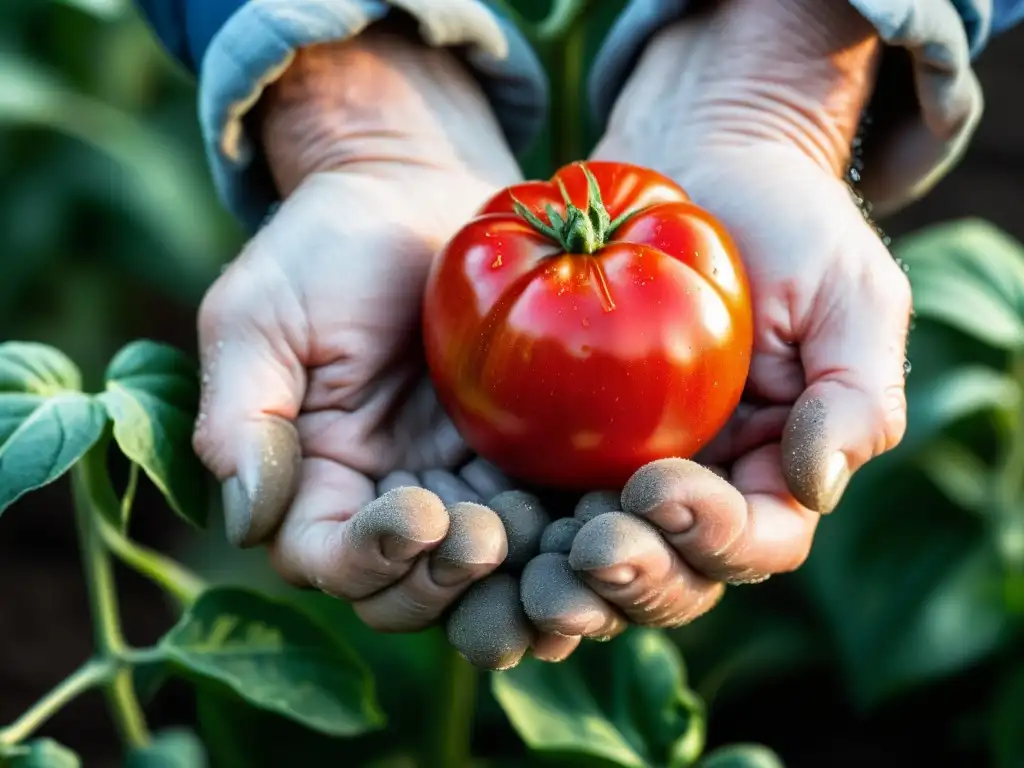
<point x="581" y="230"/>
<point x="90" y="481"/>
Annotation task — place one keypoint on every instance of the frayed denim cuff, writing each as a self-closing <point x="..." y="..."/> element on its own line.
<point x="914" y="149"/>
<point x="258" y="42"/>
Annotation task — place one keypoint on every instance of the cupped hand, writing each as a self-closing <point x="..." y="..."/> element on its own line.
<point x="317" y="414"/>
<point x="759" y="133"/>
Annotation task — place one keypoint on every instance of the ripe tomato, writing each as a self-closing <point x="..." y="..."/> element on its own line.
<point x="579" y="328"/>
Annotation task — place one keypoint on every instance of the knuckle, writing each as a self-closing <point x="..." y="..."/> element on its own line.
<point x="892" y="285"/>
<point x="893" y="416"/>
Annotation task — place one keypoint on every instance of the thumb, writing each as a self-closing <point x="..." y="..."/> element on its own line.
<point x="854" y="406"/>
<point x="252" y="390"/>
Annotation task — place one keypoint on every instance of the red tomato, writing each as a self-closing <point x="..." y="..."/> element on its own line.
<point x="571" y="344"/>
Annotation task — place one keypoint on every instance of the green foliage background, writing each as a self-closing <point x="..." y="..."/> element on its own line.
<point x="898" y="643"/>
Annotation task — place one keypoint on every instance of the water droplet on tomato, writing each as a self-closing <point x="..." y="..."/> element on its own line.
<point x="586" y="322"/>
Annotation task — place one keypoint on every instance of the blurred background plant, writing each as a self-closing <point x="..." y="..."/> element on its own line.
<point x="900" y="641"/>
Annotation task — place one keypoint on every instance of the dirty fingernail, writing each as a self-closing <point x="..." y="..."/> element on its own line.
<point x="607" y="547"/>
<point x="237" y="511"/>
<point x="616" y="576"/>
<point x="815" y="475"/>
<point x="402" y="523"/>
<point x="398" y="549"/>
<point x="475" y="544"/>
<point x="836" y="477"/>
<point x="257" y="497"/>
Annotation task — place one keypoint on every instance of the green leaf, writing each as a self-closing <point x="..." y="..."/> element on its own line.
<point x="276" y="658"/>
<point x="156" y="167"/>
<point x="173" y="748"/>
<point x="237" y="734"/>
<point x="961" y="476"/>
<point x="152" y="394"/>
<point x="956" y="394"/>
<point x="908" y="585"/>
<point x="741" y="756"/>
<point x="1007" y="736"/>
<point x="970" y="275"/>
<point x="623" y="702"/>
<point x="104" y="9"/>
<point x="42" y="437"/>
<point x="42" y="753"/>
<point x="36" y="369"/>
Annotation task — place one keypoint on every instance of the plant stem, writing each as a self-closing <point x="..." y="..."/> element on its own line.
<point x="565" y="67"/>
<point x="89" y="479"/>
<point x="168" y="574"/>
<point x="452" y="746"/>
<point x="91" y="674"/>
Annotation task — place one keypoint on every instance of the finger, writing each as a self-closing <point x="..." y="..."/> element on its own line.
<point x="340" y="539"/>
<point x="553" y="648"/>
<point x="448" y="487"/>
<point x="473" y="547"/>
<point x="854" y="406"/>
<point x="559" y="535"/>
<point x="252" y="387"/>
<point x="557" y="601"/>
<point x="596" y="503"/>
<point x="625" y="560"/>
<point x="525" y="520"/>
<point x="488" y="625"/>
<point x="485" y="478"/>
<point x="736" y="532"/>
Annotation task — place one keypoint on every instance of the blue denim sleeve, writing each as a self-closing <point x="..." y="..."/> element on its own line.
<point x="1006" y="14"/>
<point x="185" y="27"/>
<point x="238" y="47"/>
<point x="917" y="150"/>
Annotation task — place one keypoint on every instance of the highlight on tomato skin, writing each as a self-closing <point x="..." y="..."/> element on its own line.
<point x="579" y="328"/>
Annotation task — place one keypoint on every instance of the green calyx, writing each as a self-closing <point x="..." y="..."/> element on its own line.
<point x="581" y="230"/>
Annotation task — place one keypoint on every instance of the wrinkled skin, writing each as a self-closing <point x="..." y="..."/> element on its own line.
<point x="331" y="445"/>
<point x="572" y="369"/>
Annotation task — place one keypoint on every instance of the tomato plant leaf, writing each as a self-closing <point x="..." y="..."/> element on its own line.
<point x="907" y="583"/>
<point x="41" y="437"/>
<point x="36" y="369"/>
<point x="152" y="394"/>
<point x="625" y="702"/>
<point x="105" y="9"/>
<point x="968" y="274"/>
<point x="276" y="658"/>
<point x="237" y="734"/>
<point x="741" y="756"/>
<point x="956" y="471"/>
<point x="958" y="393"/>
<point x="172" y="748"/>
<point x="42" y="753"/>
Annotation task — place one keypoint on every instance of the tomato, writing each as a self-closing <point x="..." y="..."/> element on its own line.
<point x="579" y="328"/>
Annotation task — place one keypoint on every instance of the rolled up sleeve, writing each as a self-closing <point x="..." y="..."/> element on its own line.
<point x="914" y="149"/>
<point x="237" y="48"/>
